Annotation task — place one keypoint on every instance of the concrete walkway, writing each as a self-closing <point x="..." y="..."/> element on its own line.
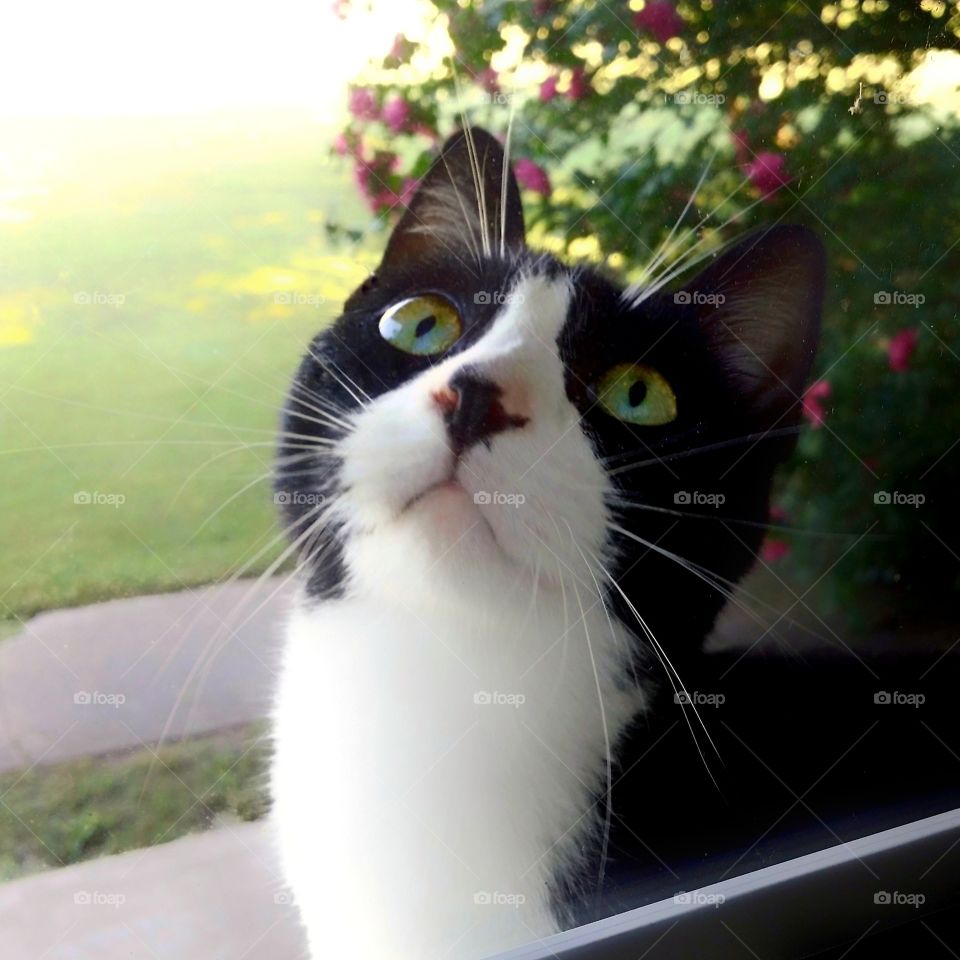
<point x="107" y="677"/>
<point x="92" y="680"/>
<point x="214" y="896"/>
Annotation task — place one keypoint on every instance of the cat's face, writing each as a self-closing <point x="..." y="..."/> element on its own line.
<point x="499" y="407"/>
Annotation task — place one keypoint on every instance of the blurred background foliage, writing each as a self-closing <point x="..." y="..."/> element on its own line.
<point x="842" y="117"/>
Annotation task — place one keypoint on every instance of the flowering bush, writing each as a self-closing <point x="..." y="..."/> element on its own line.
<point x="620" y="108"/>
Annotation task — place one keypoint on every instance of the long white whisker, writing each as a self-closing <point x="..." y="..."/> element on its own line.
<point x="239" y="493"/>
<point x="481" y="194"/>
<point x="608" y="752"/>
<point x="687" y="260"/>
<point x="705" y="448"/>
<point x="307" y="418"/>
<point x="505" y="179"/>
<point x="651" y="267"/>
<point x="335" y="372"/>
<point x="670" y="672"/>
<point x="313" y="403"/>
<point x="293" y="546"/>
<point x="48" y="447"/>
<point x="628" y="504"/>
<point x="636" y="294"/>
<point x="176" y="421"/>
<point x="718" y="583"/>
<point x="326" y="417"/>
<point x="465" y="126"/>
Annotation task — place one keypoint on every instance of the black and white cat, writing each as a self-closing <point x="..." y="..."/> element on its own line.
<point x="483" y="456"/>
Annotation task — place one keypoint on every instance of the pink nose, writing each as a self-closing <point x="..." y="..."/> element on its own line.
<point x="472" y="410"/>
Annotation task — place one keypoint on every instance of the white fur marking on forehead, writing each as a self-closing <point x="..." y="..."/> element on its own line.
<point x="536" y="306"/>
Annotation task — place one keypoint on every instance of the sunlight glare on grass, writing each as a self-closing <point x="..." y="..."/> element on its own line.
<point x="162" y="217"/>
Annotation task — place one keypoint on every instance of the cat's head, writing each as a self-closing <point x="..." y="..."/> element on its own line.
<point x="496" y="406"/>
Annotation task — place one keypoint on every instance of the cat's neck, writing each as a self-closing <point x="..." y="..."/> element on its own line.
<point x="468" y="732"/>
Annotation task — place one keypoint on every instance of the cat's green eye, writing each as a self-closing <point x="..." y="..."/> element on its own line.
<point x="636" y="393"/>
<point x="423" y="326"/>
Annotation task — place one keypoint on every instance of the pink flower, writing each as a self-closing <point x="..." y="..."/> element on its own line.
<point x="532" y="176"/>
<point x="542" y="8"/>
<point x="382" y="200"/>
<point x="487" y="78"/>
<point x="362" y="104"/>
<point x="386" y="198"/>
<point x="773" y="550"/>
<point x="812" y="403"/>
<point x="578" y="85"/>
<point x="425" y="131"/>
<point x="341" y="145"/>
<point x="660" y="18"/>
<point x="341" y="9"/>
<point x="396" y="113"/>
<point x="375" y="176"/>
<point x="548" y="89"/>
<point x="766" y="172"/>
<point x="361" y="174"/>
<point x="900" y="350"/>
<point x="778" y="515"/>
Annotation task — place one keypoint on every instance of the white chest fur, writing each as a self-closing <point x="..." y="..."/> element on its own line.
<point x="439" y="754"/>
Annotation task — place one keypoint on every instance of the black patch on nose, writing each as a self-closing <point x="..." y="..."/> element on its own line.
<point x="478" y="413"/>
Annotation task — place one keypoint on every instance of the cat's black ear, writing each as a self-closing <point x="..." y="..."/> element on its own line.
<point x="467" y="205"/>
<point x="759" y="304"/>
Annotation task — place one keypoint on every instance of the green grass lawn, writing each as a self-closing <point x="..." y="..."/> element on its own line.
<point x="168" y="399"/>
<point x="52" y="816"/>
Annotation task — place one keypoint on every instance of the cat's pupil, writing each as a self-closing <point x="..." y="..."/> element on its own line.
<point x="638" y="393"/>
<point x="425" y="326"/>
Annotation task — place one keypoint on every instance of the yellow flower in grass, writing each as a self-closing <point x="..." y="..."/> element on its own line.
<point x="19" y="318"/>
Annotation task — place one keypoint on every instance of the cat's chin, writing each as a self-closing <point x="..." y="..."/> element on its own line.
<point x="446" y="491"/>
<point x="446" y="506"/>
<point x="448" y="514"/>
